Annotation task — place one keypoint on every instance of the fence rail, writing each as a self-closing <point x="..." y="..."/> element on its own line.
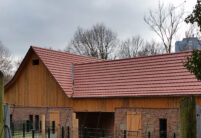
<point x="25" y="129"/>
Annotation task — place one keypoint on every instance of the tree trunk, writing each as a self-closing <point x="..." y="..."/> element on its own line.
<point x="188" y="117"/>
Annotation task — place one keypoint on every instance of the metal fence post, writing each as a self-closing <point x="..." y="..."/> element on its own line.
<point x="28" y="125"/>
<point x="68" y="132"/>
<point x="23" y="130"/>
<point x="85" y="132"/>
<point x="12" y="129"/>
<point x="48" y="132"/>
<point x="32" y="133"/>
<point x="103" y="133"/>
<point x="174" y="135"/>
<point x="125" y="133"/>
<point x="62" y="132"/>
<point x="40" y="129"/>
<point x="149" y="135"/>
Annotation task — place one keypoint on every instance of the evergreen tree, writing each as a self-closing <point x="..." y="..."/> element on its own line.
<point x="195" y="16"/>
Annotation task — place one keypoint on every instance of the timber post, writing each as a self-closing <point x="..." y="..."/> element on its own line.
<point x="1" y="106"/>
<point x="43" y="126"/>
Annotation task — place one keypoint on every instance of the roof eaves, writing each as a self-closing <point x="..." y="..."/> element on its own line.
<point x="140" y="96"/>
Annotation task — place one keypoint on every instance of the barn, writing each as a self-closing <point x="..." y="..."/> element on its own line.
<point x="137" y="96"/>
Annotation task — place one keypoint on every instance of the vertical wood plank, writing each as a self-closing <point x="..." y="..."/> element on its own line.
<point x="134" y="124"/>
<point x="43" y="126"/>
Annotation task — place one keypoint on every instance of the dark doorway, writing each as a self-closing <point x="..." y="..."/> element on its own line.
<point x="96" y="124"/>
<point x="163" y="128"/>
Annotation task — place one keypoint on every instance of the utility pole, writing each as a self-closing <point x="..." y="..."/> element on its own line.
<point x="1" y="106"/>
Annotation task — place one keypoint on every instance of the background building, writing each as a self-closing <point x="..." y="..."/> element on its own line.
<point x="188" y="44"/>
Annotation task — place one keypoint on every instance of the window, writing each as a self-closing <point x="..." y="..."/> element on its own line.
<point x="35" y="62"/>
<point x="163" y="128"/>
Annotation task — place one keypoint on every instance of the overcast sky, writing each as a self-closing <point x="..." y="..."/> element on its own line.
<point x="52" y="23"/>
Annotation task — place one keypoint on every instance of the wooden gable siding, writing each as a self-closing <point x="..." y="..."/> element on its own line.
<point x="35" y="86"/>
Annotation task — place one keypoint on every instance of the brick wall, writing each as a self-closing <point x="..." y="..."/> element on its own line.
<point x="150" y="118"/>
<point x="20" y="114"/>
<point x="150" y="121"/>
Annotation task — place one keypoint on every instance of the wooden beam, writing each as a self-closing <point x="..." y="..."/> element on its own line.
<point x="75" y="132"/>
<point x="43" y="126"/>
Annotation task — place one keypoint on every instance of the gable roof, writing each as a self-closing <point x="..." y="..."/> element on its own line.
<point x="159" y="75"/>
<point x="59" y="64"/>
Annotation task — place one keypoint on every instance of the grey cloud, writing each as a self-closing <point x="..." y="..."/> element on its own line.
<point x="53" y="22"/>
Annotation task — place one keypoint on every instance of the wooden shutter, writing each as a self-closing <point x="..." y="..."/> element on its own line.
<point x="134" y="125"/>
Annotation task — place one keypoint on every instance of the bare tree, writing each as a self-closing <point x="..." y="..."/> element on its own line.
<point x="130" y="47"/>
<point x="18" y="62"/>
<point x="136" y="47"/>
<point x="7" y="78"/>
<point x="165" y="21"/>
<point x="151" y="48"/>
<point x="5" y="59"/>
<point x="5" y="63"/>
<point x="98" y="41"/>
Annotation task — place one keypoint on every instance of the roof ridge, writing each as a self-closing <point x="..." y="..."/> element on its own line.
<point x="64" y="52"/>
<point x="176" y="53"/>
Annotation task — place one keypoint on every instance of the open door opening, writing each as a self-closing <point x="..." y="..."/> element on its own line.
<point x="96" y="124"/>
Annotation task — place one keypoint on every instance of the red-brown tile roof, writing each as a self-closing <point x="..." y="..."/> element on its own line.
<point x="59" y="65"/>
<point x="161" y="75"/>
